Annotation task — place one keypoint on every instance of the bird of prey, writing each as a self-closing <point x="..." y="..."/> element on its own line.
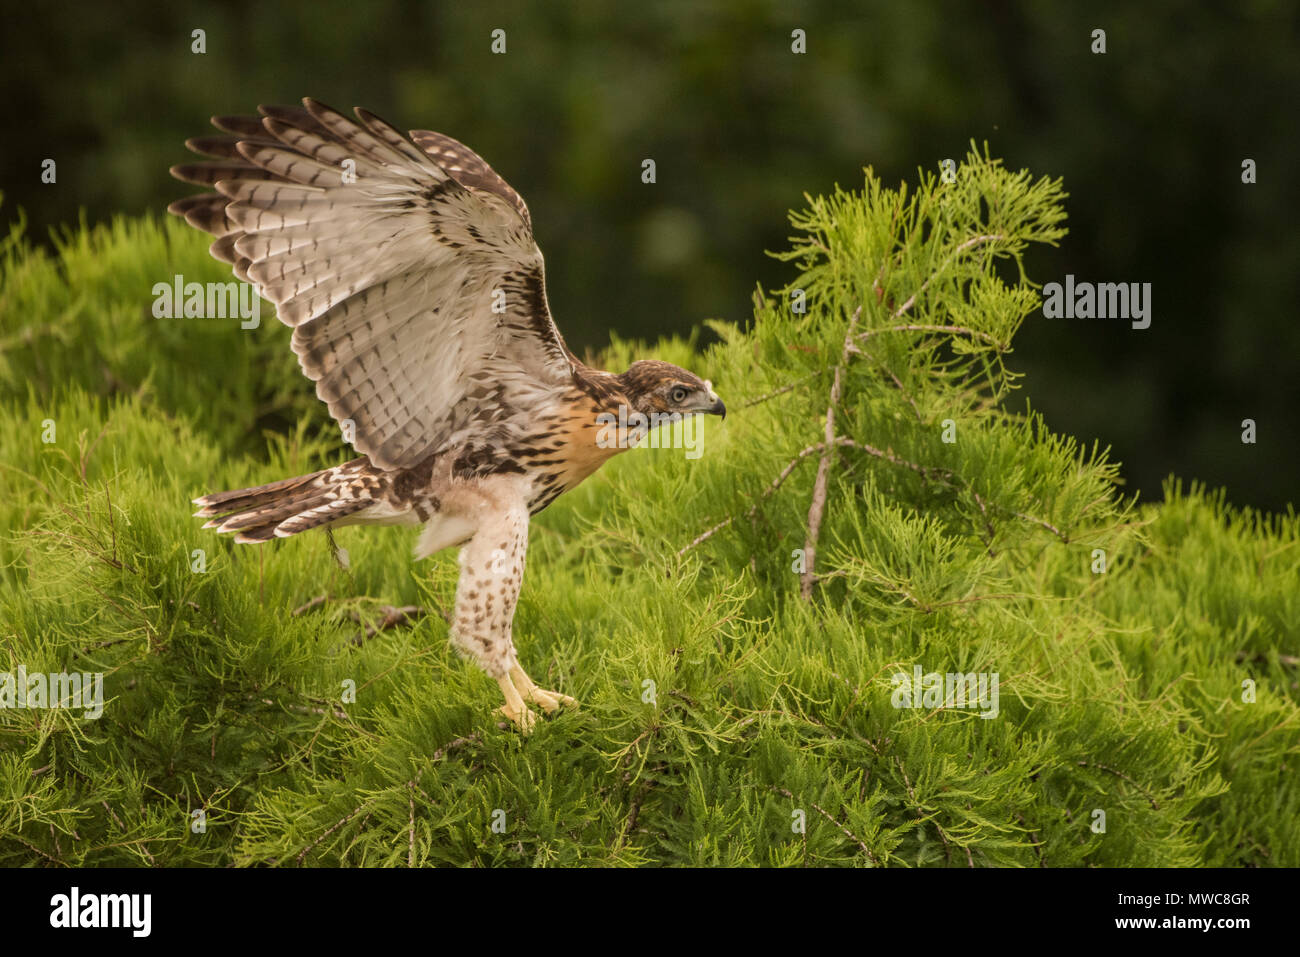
<point x="408" y="272"/>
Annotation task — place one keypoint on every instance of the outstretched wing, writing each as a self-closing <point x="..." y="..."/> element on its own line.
<point x="411" y="279"/>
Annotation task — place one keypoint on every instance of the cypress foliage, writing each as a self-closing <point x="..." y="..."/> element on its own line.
<point x="733" y="624"/>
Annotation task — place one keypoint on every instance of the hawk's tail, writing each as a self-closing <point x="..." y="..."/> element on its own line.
<point x="287" y="507"/>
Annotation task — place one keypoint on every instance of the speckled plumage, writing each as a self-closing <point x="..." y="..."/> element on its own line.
<point x="417" y="296"/>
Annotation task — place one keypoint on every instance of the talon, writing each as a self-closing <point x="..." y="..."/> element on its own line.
<point x="549" y="701"/>
<point x="514" y="708"/>
<point x="523" y="719"/>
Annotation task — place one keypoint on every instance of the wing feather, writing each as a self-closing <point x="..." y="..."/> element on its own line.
<point x="389" y="281"/>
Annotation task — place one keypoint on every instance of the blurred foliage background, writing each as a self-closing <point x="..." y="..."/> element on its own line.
<point x="1149" y="137"/>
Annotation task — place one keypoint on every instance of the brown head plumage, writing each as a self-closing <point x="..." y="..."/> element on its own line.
<point x="653" y="386"/>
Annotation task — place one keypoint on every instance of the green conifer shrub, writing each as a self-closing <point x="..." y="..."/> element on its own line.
<point x="733" y="624"/>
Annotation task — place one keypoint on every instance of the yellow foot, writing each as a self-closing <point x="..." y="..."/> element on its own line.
<point x="514" y="708"/>
<point x="550" y="701"/>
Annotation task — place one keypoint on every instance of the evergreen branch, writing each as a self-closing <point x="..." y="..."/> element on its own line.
<point x="334" y="709"/>
<point x="925" y="327"/>
<point x="857" y="693"/>
<point x="338" y="824"/>
<point x="988" y="524"/>
<point x="755" y="714"/>
<point x="776" y="484"/>
<point x="922" y="817"/>
<point x="961" y="248"/>
<point x="934" y="473"/>
<point x="975" y="598"/>
<point x="1120" y="774"/>
<point x="925" y="471"/>
<point x="87" y="453"/>
<point x="1036" y="841"/>
<point x="143" y="846"/>
<point x="951" y="480"/>
<point x="340" y="554"/>
<point x="37" y="850"/>
<point x="897" y="382"/>
<point x="781" y="391"/>
<point x="926" y="607"/>
<point x="851" y="836"/>
<point x="630" y="824"/>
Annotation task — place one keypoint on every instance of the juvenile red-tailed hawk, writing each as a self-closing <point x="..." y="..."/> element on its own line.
<point x="417" y="298"/>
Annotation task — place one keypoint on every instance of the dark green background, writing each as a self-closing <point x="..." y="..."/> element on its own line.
<point x="1149" y="138"/>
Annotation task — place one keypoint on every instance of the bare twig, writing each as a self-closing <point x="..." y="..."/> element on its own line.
<point x="410" y="849"/>
<point x="781" y="391"/>
<point x="114" y="814"/>
<point x="144" y="847"/>
<point x="338" y="824"/>
<point x="707" y="534"/>
<point x="630" y="824"/>
<point x="454" y="744"/>
<point x="926" y="471"/>
<point x="33" y="847"/>
<point x="1047" y="525"/>
<point x="393" y="618"/>
<point x="333" y="709"/>
<point x="988" y="524"/>
<point x="817" y="508"/>
<point x="314" y="603"/>
<point x="776" y="484"/>
<point x="1037" y="842"/>
<point x="929" y="472"/>
<point x="1241" y="656"/>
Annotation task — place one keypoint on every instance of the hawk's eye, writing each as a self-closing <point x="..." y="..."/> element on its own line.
<point x="678" y="394"/>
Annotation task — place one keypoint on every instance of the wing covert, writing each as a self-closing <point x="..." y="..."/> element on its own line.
<point x="391" y="261"/>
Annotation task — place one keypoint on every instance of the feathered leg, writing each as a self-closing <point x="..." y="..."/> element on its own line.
<point x="491" y="575"/>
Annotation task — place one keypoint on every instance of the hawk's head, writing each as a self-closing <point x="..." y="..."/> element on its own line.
<point x="652" y="386"/>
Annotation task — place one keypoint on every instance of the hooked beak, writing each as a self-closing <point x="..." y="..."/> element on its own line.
<point x="717" y="407"/>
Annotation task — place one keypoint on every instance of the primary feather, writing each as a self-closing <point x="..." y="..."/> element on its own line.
<point x="387" y="260"/>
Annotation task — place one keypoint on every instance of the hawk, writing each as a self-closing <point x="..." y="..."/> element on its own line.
<point x="408" y="271"/>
